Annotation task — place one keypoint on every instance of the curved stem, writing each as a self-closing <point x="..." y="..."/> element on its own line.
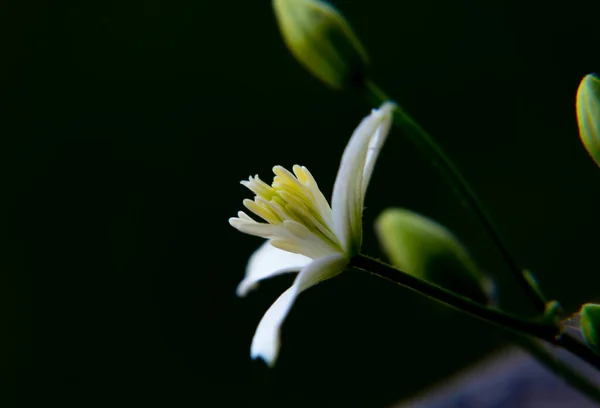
<point x="541" y="329"/>
<point x="460" y="186"/>
<point x="520" y="328"/>
<point x="454" y="300"/>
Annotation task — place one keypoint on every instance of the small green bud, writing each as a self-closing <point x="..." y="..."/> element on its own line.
<point x="425" y="249"/>
<point x="321" y="39"/>
<point x="590" y="325"/>
<point x="588" y="115"/>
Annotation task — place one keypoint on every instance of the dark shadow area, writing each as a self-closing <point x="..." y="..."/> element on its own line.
<point x="128" y="126"/>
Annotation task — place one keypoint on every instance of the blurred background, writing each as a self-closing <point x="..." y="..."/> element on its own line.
<point x="128" y="126"/>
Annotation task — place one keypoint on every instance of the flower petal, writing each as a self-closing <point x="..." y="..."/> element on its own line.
<point x="376" y="143"/>
<point x="266" y="341"/>
<point x="354" y="174"/>
<point x="268" y="261"/>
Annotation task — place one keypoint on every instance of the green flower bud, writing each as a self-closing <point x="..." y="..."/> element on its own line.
<point x="588" y="115"/>
<point x="425" y="249"/>
<point x="319" y="37"/>
<point x="590" y="325"/>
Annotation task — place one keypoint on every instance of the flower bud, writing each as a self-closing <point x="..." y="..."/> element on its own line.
<point x="321" y="39"/>
<point x="425" y="249"/>
<point x="588" y="115"/>
<point x="590" y="325"/>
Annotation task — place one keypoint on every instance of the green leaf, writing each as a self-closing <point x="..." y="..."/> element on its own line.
<point x="425" y="249"/>
<point x="588" y="115"/>
<point x="321" y="39"/>
<point x="590" y="325"/>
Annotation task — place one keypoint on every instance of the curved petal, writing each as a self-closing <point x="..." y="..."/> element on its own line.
<point x="376" y="143"/>
<point x="354" y="174"/>
<point x="268" y="261"/>
<point x="266" y="341"/>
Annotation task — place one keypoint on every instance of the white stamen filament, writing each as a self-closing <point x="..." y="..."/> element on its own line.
<point x="296" y="213"/>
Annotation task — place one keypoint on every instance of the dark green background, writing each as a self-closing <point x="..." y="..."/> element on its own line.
<point x="129" y="124"/>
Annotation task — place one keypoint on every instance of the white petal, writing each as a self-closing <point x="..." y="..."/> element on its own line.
<point x="266" y="341"/>
<point x="376" y="143"/>
<point x="268" y="261"/>
<point x="349" y="188"/>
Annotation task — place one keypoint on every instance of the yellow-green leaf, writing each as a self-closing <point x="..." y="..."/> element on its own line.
<point x="590" y="325"/>
<point x="425" y="249"/>
<point x="588" y="115"/>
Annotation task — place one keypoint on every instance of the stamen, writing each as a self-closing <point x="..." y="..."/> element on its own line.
<point x="300" y="175"/>
<point x="278" y="209"/>
<point x="297" y="229"/>
<point x="297" y="215"/>
<point x="262" y="211"/>
<point x="275" y="217"/>
<point x="319" y="198"/>
<point x="243" y="216"/>
<point x="258" y="187"/>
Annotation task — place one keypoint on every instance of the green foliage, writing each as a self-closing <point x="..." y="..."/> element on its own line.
<point x="590" y="325"/>
<point x="321" y="39"/>
<point x="425" y="249"/>
<point x="588" y="115"/>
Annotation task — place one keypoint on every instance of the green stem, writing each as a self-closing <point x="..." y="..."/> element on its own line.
<point x="541" y="329"/>
<point x="511" y="323"/>
<point x="521" y="329"/>
<point x="460" y="186"/>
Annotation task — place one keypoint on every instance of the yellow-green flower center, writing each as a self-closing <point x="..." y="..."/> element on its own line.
<point x="298" y="217"/>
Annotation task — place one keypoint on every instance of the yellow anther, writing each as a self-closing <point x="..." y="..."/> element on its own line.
<point x="293" y="202"/>
<point x="262" y="211"/>
<point x="299" y="172"/>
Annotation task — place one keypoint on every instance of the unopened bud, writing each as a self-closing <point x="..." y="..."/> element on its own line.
<point x="321" y="39"/>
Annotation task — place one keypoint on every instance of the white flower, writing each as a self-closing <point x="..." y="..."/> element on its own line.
<point x="303" y="232"/>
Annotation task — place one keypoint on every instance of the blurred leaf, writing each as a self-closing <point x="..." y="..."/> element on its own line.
<point x="424" y="248"/>
<point x="588" y="115"/>
<point x="590" y="324"/>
